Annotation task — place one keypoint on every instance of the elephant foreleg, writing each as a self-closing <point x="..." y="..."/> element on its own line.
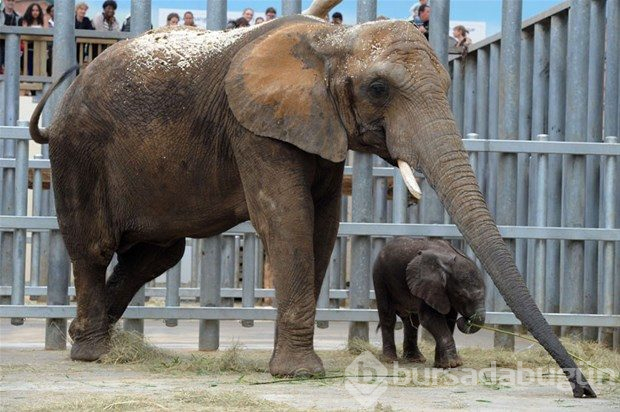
<point x="277" y="181"/>
<point x="445" y="348"/>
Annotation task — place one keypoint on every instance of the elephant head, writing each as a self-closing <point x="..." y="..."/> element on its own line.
<point x="446" y="279"/>
<point x="379" y="88"/>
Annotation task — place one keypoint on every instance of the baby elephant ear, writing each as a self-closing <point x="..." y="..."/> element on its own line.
<point x="426" y="279"/>
<point x="277" y="87"/>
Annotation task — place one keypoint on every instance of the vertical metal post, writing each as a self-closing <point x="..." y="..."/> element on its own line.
<point x="573" y="178"/>
<point x="482" y="127"/>
<point x="11" y="114"/>
<point x="216" y="14"/>
<point x="469" y="107"/>
<point x="508" y="130"/>
<point x="173" y="284"/>
<point x="610" y="188"/>
<point x="59" y="264"/>
<point x="249" y="270"/>
<point x="35" y="250"/>
<point x="362" y="212"/>
<point x="140" y="22"/>
<point x="140" y="16"/>
<point x="524" y="133"/>
<point x="612" y="120"/>
<point x="482" y="112"/>
<point x="492" y="158"/>
<point x="540" y="94"/>
<point x="228" y="267"/>
<point x="594" y="133"/>
<point x="195" y="263"/>
<point x="612" y="68"/>
<point x="334" y="270"/>
<point x="557" y="93"/>
<point x="473" y="160"/>
<point x="19" y="239"/>
<point x="210" y="292"/>
<point x="540" y="211"/>
<point x="458" y="91"/>
<point x="323" y="301"/>
<point x="291" y="7"/>
<point x="439" y="27"/>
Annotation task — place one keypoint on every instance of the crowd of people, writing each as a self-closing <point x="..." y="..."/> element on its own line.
<point x="106" y="20"/>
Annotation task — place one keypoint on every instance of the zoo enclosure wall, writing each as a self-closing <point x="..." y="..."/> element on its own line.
<point x="378" y="206"/>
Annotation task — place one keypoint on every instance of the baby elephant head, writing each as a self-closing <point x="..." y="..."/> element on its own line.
<point x="447" y="279"/>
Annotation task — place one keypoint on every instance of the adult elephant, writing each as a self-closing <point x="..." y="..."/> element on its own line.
<point x="186" y="133"/>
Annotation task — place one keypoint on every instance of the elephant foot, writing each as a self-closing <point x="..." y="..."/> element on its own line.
<point x="88" y="351"/>
<point x="296" y="364"/>
<point x="389" y="355"/>
<point x="88" y="347"/>
<point x="415" y="357"/>
<point x="448" y="361"/>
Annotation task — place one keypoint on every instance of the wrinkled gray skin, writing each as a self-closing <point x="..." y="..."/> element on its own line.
<point x="426" y="282"/>
<point x="173" y="139"/>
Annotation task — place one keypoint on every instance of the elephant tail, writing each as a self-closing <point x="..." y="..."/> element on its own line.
<point x="37" y="134"/>
<point x="321" y="8"/>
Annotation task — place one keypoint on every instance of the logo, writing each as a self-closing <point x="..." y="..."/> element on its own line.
<point x="366" y="379"/>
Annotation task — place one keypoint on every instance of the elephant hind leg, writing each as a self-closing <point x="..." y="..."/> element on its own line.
<point x="90" y="329"/>
<point x="137" y="266"/>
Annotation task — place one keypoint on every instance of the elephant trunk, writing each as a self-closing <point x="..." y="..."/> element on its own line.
<point x="439" y="152"/>
<point x="468" y="323"/>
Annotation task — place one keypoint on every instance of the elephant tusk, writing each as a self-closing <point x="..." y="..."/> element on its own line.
<point x="409" y="178"/>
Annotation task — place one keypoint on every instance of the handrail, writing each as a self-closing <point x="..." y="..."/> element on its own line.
<point x="92" y="34"/>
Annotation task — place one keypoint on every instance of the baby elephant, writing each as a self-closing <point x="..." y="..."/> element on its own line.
<point x="427" y="282"/>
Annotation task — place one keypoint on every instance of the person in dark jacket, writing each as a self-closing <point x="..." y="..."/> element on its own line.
<point x="8" y="17"/>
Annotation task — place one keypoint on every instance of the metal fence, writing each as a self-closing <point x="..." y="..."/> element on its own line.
<point x="539" y="153"/>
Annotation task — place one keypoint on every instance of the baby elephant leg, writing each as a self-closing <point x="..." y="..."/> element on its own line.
<point x="411" y="352"/>
<point x="445" y="348"/>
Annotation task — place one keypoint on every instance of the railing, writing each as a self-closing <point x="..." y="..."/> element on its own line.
<point x="237" y="255"/>
<point x="567" y="87"/>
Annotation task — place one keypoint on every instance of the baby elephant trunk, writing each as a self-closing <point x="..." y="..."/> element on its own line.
<point x="468" y="324"/>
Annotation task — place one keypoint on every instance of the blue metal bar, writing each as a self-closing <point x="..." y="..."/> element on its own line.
<point x="173" y="284"/>
<point x="140" y="16"/>
<point x="508" y="128"/>
<point x="11" y="114"/>
<point x="594" y="133"/>
<point x="540" y="214"/>
<point x="210" y="286"/>
<point x="216" y="14"/>
<point x="362" y="211"/>
<point x="609" y="270"/>
<point x="340" y="315"/>
<point x="573" y="177"/>
<point x="557" y="93"/>
<point x="523" y="164"/>
<point x="249" y="270"/>
<point x="291" y="7"/>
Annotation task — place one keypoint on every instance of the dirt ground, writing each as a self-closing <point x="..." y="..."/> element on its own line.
<point x="145" y="377"/>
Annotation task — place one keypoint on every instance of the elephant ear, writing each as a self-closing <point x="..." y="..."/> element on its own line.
<point x="277" y="87"/>
<point x="426" y="278"/>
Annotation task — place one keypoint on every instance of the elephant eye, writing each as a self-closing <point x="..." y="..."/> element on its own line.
<point x="378" y="89"/>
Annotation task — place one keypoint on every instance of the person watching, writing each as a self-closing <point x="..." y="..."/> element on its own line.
<point x="172" y="19"/>
<point x="337" y="18"/>
<point x="106" y="21"/>
<point x="248" y="14"/>
<point x="270" y="14"/>
<point x="188" y="19"/>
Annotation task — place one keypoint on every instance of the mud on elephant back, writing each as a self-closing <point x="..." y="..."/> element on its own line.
<point x="186" y="133"/>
